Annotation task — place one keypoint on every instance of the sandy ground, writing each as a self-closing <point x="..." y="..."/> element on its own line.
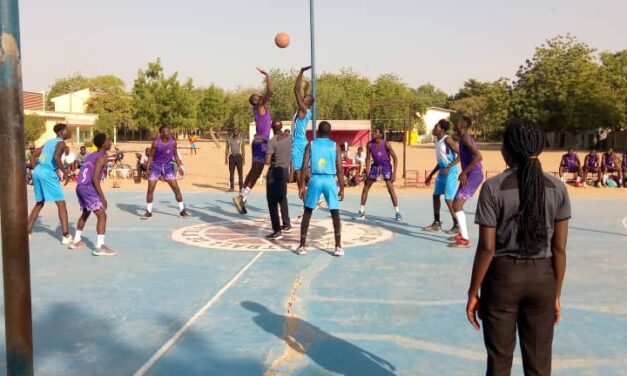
<point x="207" y="171"/>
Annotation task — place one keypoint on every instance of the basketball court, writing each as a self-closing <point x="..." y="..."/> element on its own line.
<point x="210" y="296"/>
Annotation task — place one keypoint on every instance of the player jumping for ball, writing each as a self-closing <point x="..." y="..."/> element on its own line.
<point x="322" y="157"/>
<point x="162" y="152"/>
<point x="384" y="163"/>
<point x="263" y="124"/>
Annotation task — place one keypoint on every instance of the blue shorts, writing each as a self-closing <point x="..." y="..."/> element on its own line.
<point x="447" y="185"/>
<point x="47" y="185"/>
<point x="322" y="185"/>
<point x="298" y="154"/>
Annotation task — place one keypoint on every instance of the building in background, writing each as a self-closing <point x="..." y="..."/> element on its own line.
<point x="354" y="132"/>
<point x="70" y="109"/>
<point x="430" y="118"/>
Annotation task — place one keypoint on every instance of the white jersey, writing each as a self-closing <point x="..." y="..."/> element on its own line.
<point x="444" y="155"/>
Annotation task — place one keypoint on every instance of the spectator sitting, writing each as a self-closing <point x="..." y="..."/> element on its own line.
<point x="142" y="162"/>
<point x="571" y="163"/>
<point x="345" y="153"/>
<point x="80" y="158"/>
<point x="69" y="160"/>
<point x="360" y="159"/>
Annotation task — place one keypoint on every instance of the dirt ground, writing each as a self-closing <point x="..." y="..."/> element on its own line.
<point x="207" y="171"/>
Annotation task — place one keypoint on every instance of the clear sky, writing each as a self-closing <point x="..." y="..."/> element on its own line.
<point x="222" y="41"/>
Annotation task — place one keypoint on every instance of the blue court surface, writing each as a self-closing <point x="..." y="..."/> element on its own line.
<point x="208" y="296"/>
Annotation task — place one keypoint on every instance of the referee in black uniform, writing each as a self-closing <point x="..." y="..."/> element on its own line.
<point x="520" y="260"/>
<point x="234" y="157"/>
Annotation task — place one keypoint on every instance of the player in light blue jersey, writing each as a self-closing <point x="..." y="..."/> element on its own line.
<point x="322" y="159"/>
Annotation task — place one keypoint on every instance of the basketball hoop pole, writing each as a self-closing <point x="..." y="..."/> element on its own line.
<point x="13" y="204"/>
<point x="313" y="67"/>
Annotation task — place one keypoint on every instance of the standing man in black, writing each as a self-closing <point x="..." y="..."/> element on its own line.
<point x="279" y="158"/>
<point x="234" y="157"/>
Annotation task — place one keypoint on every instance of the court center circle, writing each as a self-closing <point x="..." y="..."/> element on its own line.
<point x="249" y="235"/>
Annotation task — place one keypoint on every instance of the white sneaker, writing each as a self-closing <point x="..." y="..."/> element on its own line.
<point x="67" y="240"/>
<point x="301" y="250"/>
<point x="361" y="216"/>
<point x="103" y="251"/>
<point x="339" y="252"/>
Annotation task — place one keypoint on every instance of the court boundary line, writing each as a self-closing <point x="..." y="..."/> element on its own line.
<point x="179" y="333"/>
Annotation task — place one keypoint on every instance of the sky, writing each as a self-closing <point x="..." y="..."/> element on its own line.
<point x="222" y="41"/>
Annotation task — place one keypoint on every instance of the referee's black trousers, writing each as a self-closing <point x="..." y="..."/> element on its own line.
<point x="276" y="193"/>
<point x="518" y="294"/>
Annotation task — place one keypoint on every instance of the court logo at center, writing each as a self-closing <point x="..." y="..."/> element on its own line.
<point x="249" y="235"/>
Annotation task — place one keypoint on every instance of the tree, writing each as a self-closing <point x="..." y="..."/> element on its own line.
<point x="213" y="108"/>
<point x="106" y="123"/>
<point x="34" y="127"/>
<point x="486" y="103"/>
<point x="159" y="100"/>
<point x="344" y="96"/>
<point x="240" y="113"/>
<point x="563" y="89"/>
<point x="614" y="72"/>
<point x="117" y="105"/>
<point x="100" y="84"/>
<point x="391" y="88"/>
<point x="429" y="96"/>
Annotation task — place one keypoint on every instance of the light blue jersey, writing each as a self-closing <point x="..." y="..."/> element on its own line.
<point x="299" y="128"/>
<point x="323" y="155"/>
<point x="323" y="169"/>
<point x="45" y="179"/>
<point x="46" y="158"/>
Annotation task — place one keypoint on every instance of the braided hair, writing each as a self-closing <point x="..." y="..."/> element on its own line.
<point x="525" y="141"/>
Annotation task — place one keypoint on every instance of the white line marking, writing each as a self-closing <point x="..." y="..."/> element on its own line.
<point x="170" y="342"/>
<point x="625" y="223"/>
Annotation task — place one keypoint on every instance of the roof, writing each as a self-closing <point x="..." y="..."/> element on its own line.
<point x="338" y="125"/>
<point x="33" y="100"/>
<point x="441" y="109"/>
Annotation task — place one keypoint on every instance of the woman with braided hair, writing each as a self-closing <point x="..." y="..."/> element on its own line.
<point x="520" y="260"/>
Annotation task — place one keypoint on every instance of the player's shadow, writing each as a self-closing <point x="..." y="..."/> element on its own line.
<point x="209" y="186"/>
<point x="249" y="207"/>
<point x="219" y="210"/>
<point x="328" y="351"/>
<point x="138" y="210"/>
<point x="396" y="227"/>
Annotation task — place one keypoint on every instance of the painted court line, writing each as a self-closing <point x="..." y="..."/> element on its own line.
<point x="170" y="342"/>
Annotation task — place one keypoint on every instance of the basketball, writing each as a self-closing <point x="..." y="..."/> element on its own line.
<point x="282" y="40"/>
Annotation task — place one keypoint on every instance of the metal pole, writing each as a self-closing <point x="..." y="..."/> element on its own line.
<point x="313" y="67"/>
<point x="13" y="202"/>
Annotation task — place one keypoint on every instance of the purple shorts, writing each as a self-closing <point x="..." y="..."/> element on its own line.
<point x="611" y="169"/>
<point x="571" y="169"/>
<point x="475" y="177"/>
<point x="376" y="171"/>
<point x="259" y="147"/>
<point x="166" y="171"/>
<point x="88" y="198"/>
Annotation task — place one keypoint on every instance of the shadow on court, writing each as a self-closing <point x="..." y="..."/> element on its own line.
<point x="329" y="352"/>
<point x="209" y="186"/>
<point x="72" y="340"/>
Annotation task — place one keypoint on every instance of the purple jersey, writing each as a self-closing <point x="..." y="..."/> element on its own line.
<point x="609" y="159"/>
<point x="263" y="123"/>
<point x="624" y="163"/>
<point x="465" y="155"/>
<point x="379" y="153"/>
<point x="86" y="174"/>
<point x="591" y="161"/>
<point x="571" y="159"/>
<point x="164" y="152"/>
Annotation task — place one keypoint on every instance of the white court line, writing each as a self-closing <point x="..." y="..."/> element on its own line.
<point x="625" y="223"/>
<point x="170" y="342"/>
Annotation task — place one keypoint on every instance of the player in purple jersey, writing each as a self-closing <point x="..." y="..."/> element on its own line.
<point x="162" y="152"/>
<point x="259" y="145"/>
<point x="610" y="166"/>
<point x="591" y="165"/>
<point x="469" y="179"/>
<point x="570" y="163"/>
<point x="623" y="169"/>
<point x="91" y="197"/>
<point x="382" y="156"/>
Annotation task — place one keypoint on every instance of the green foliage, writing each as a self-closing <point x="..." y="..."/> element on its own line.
<point x="398" y="97"/>
<point x="240" y="113"/>
<point x="213" y="110"/>
<point x="105" y="123"/>
<point x="159" y="100"/>
<point x="486" y="103"/>
<point x="100" y="84"/>
<point x="429" y="96"/>
<point x="344" y="96"/>
<point x="34" y="127"/>
<point x="117" y="104"/>
<point x="563" y="88"/>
